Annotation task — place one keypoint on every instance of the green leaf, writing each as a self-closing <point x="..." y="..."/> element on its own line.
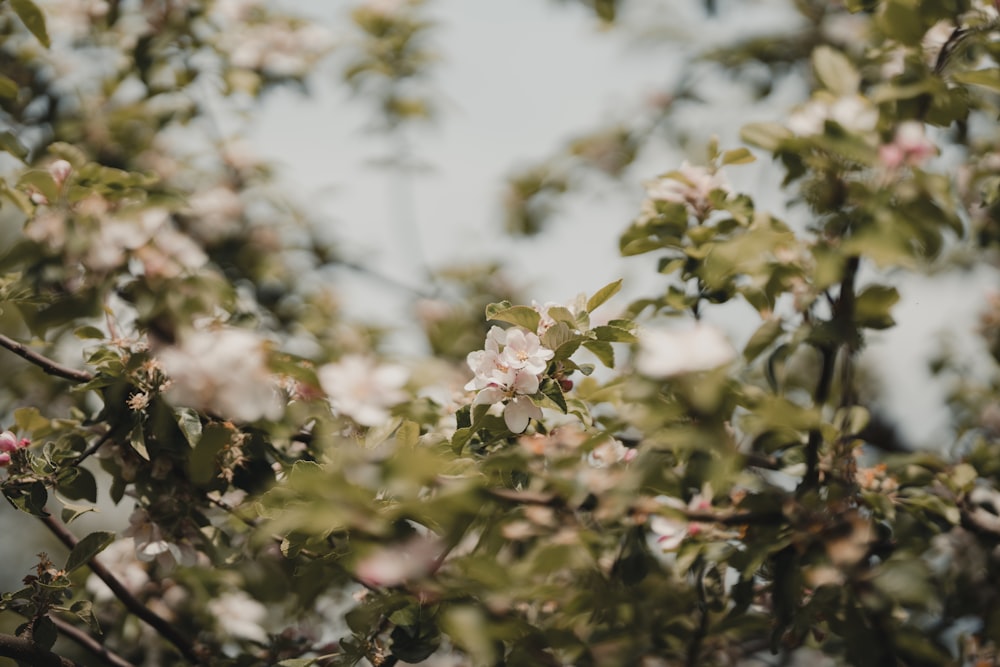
<point x="765" y="135"/>
<point x="89" y="333"/>
<point x="33" y="19"/>
<point x="87" y="548"/>
<point x="986" y="78"/>
<point x="522" y="316"/>
<point x="738" y="156"/>
<point x="202" y="464"/>
<point x="77" y="484"/>
<point x="190" y="424"/>
<point x="872" y="306"/>
<point x="835" y="71"/>
<point x="603" y="351"/>
<point x="297" y="662"/>
<point x="84" y="610"/>
<point x="408" y="433"/>
<point x="43" y="632"/>
<point x="766" y="333"/>
<point x="603" y="294"/>
<point x="11" y="144"/>
<point x="72" y="512"/>
<point x="612" y="334"/>
<point x="551" y="389"/>
<point x="8" y="88"/>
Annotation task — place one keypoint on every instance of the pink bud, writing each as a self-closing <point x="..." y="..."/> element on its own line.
<point x="60" y="170"/>
<point x="8" y="442"/>
<point x="4" y="459"/>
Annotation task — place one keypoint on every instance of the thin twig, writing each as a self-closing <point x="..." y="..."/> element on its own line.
<point x="49" y="366"/>
<point x="84" y="640"/>
<point x="28" y="652"/>
<point x="158" y="623"/>
<point x="87" y="453"/>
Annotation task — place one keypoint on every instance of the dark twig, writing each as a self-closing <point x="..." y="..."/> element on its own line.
<point x="43" y="362"/>
<point x="27" y="652"/>
<point x="90" y="451"/>
<point x="84" y="640"/>
<point x="158" y="623"/>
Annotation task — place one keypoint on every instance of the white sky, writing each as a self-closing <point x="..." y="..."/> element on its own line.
<point x="516" y="80"/>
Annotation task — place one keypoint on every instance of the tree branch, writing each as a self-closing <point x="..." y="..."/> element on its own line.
<point x="158" y="623"/>
<point x="87" y="642"/>
<point x="49" y="366"/>
<point x="28" y="652"/>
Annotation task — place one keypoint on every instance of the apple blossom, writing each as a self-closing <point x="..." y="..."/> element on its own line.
<point x="223" y="371"/>
<point x="362" y="389"/>
<point x="665" y="353"/>
<point x="910" y="146"/>
<point x="151" y="544"/>
<point x="239" y="616"/>
<point x="691" y="186"/>
<point x="507" y="371"/>
<point x="120" y="559"/>
<point x="853" y="113"/>
<point x="669" y="533"/>
<point x="394" y="565"/>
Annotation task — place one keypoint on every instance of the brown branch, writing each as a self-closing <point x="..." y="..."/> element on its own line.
<point x="28" y="652"/>
<point x="49" y="366"/>
<point x="158" y="623"/>
<point x="90" y="644"/>
<point x="87" y="453"/>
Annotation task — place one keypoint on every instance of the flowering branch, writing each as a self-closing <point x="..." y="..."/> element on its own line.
<point x="158" y="623"/>
<point x="25" y="651"/>
<point x="49" y="366"/>
<point x="77" y="635"/>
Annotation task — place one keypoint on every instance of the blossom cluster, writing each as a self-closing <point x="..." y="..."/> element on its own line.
<point x="509" y="370"/>
<point x="9" y="443"/>
<point x="691" y="186"/>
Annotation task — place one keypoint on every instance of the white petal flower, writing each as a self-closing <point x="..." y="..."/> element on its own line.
<point x="223" y="371"/>
<point x="524" y="351"/>
<point x="239" y="615"/>
<point x="362" y="389"/>
<point x="518" y="412"/>
<point x="690" y="185"/>
<point x="665" y="352"/>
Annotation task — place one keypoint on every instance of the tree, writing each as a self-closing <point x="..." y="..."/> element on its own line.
<point x="555" y="484"/>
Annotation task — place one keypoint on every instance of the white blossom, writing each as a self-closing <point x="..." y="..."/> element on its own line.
<point x="120" y="560"/>
<point x="854" y="113"/>
<point x="223" y="371"/>
<point x="152" y="545"/>
<point x="507" y="371"/>
<point x="667" y="352"/>
<point x="363" y="389"/>
<point x="690" y="185"/>
<point x="239" y="616"/>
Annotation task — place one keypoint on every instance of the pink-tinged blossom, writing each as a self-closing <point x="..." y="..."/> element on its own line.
<point x="508" y="370"/>
<point x="665" y="353"/>
<point x="669" y="533"/>
<point x="8" y="444"/>
<point x="691" y="186"/>
<point x="524" y="352"/>
<point x="363" y="389"/>
<point x="610" y="452"/>
<point x="223" y="371"/>
<point x="395" y="565"/>
<point x="60" y="171"/>
<point x="910" y="147"/>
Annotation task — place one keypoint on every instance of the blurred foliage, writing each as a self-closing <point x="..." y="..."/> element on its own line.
<point x="605" y="489"/>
